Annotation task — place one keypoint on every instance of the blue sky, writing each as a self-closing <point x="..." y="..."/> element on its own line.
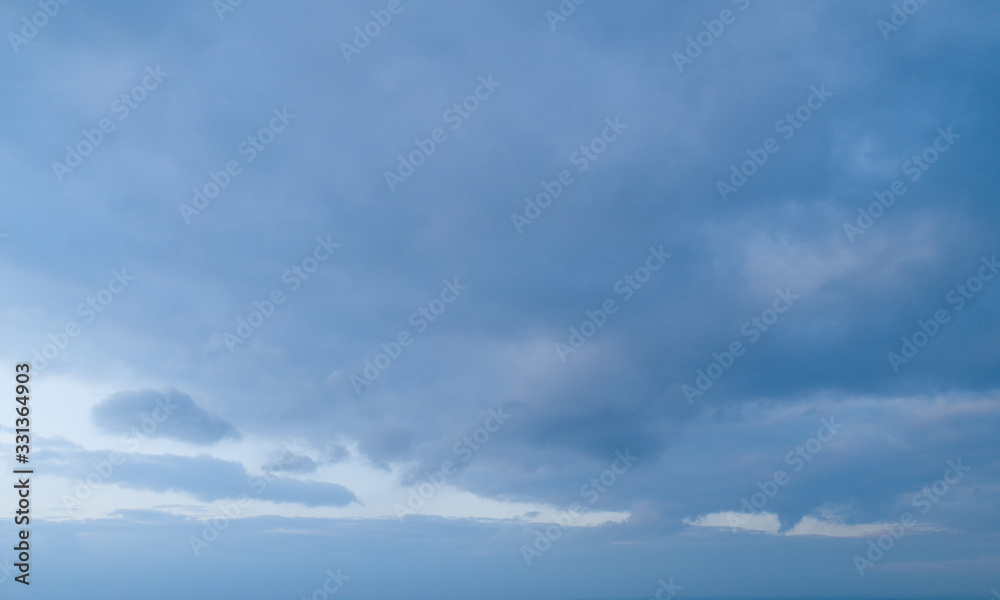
<point x="507" y="299"/>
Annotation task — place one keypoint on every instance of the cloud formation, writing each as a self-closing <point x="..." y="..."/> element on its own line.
<point x="173" y="415"/>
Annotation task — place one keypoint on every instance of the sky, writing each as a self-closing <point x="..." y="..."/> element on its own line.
<point x="508" y="299"/>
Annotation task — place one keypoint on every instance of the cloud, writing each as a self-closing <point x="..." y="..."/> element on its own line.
<point x="766" y="522"/>
<point x="203" y="477"/>
<point x="174" y="415"/>
<point x="291" y="463"/>
<point x="814" y="526"/>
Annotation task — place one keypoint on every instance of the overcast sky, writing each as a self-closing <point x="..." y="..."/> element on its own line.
<point x="505" y="299"/>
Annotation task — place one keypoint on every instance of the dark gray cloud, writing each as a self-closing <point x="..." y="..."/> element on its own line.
<point x="168" y="414"/>
<point x="290" y="463"/>
<point x="335" y="453"/>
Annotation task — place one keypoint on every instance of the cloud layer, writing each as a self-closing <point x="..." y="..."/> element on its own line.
<point x="662" y="231"/>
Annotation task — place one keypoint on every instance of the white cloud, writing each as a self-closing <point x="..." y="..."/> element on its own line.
<point x="814" y="526"/>
<point x="763" y="521"/>
<point x="766" y="522"/>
